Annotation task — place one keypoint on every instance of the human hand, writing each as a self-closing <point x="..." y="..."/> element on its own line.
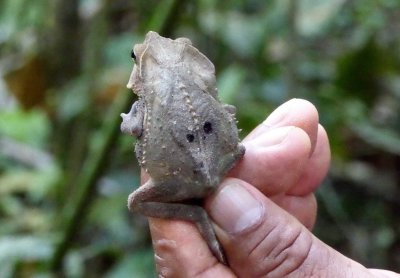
<point x="263" y="211"/>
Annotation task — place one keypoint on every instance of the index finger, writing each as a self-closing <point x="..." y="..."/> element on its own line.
<point x="295" y="112"/>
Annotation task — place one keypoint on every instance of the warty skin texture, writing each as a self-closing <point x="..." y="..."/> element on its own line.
<point x="187" y="140"/>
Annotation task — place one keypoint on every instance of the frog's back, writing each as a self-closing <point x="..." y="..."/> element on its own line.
<point x="189" y="137"/>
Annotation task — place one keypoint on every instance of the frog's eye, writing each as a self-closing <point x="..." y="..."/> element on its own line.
<point x="133" y="56"/>
<point x="207" y="127"/>
<point x="190" y="137"/>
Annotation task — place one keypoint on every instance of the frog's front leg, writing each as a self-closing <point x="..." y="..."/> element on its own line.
<point x="132" y="123"/>
<point x="152" y="201"/>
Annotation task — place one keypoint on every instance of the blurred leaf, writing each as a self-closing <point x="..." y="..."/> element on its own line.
<point x="75" y="264"/>
<point x="140" y="264"/>
<point x="24" y="248"/>
<point x="229" y="83"/>
<point x="18" y="14"/>
<point x="36" y="184"/>
<point x="243" y="34"/>
<point x="118" y="50"/>
<point x="385" y="237"/>
<point x="274" y="90"/>
<point x="27" y="81"/>
<point x="382" y="138"/>
<point x="31" y="127"/>
<point x="110" y="214"/>
<point x="315" y="15"/>
<point x="15" y="153"/>
<point x="160" y="16"/>
<point x="73" y="100"/>
<point x="359" y="72"/>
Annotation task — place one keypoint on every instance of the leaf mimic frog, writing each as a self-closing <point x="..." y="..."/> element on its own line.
<point x="187" y="140"/>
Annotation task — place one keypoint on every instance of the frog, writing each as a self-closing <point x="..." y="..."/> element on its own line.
<point x="186" y="138"/>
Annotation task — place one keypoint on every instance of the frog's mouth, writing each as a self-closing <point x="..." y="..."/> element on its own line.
<point x="131" y="81"/>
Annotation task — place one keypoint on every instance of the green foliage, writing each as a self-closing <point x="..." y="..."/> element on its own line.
<point x="22" y="250"/>
<point x="29" y="127"/>
<point x="139" y="263"/>
<point x="65" y="174"/>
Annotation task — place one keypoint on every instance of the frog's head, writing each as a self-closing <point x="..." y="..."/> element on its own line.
<point x="158" y="57"/>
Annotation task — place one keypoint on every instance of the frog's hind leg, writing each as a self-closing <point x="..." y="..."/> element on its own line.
<point x="147" y="201"/>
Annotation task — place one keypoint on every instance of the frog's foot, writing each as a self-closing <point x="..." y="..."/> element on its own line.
<point x="151" y="202"/>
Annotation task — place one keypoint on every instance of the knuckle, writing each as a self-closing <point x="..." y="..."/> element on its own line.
<point x="281" y="252"/>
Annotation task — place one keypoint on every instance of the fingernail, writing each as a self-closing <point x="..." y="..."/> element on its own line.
<point x="235" y="210"/>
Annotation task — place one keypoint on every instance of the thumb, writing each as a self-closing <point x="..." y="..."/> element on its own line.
<point x="261" y="239"/>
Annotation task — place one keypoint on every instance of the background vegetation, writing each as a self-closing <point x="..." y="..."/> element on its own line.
<point x="65" y="171"/>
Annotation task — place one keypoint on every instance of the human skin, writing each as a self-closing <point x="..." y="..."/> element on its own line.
<point x="264" y="211"/>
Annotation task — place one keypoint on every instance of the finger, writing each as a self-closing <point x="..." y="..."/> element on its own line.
<point x="295" y="112"/>
<point x="275" y="160"/>
<point x="317" y="167"/>
<point x="261" y="239"/>
<point x="180" y="251"/>
<point x="384" y="273"/>
<point x="304" y="208"/>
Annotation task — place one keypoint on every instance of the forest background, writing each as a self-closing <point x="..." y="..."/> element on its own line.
<point x="66" y="171"/>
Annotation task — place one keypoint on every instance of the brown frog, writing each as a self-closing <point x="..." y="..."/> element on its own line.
<point x="187" y="140"/>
